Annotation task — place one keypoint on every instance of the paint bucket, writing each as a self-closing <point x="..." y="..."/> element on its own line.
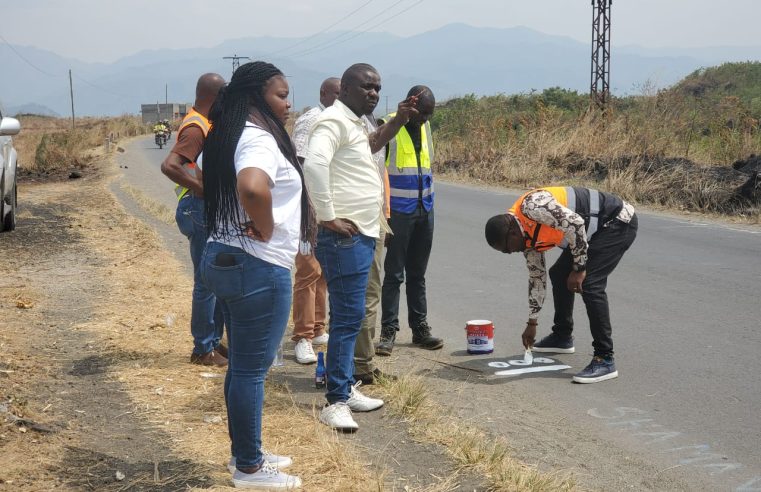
<point x="480" y="334"/>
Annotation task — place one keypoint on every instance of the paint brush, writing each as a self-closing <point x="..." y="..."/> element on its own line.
<point x="528" y="357"/>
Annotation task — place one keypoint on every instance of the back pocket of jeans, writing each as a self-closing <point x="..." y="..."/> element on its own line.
<point x="347" y="242"/>
<point x="226" y="282"/>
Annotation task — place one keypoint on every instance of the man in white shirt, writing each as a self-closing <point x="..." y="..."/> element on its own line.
<point x="309" y="288"/>
<point x="347" y="193"/>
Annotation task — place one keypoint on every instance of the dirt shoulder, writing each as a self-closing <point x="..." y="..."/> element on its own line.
<point x="95" y="389"/>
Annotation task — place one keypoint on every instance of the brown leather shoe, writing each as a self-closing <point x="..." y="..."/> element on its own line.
<point x="212" y="358"/>
<point x="221" y="350"/>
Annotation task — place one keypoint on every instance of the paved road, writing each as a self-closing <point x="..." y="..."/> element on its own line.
<point x="685" y="411"/>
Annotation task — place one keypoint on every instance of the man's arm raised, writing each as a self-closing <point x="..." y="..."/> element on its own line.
<point x="380" y="137"/>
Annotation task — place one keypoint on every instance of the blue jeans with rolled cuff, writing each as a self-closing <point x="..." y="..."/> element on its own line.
<point x="345" y="262"/>
<point x="256" y="299"/>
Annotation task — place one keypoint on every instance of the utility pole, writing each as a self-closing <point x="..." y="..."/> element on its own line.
<point x="166" y="93"/>
<point x="600" y="86"/>
<point x="386" y="104"/>
<point x="236" y="60"/>
<point x="71" y="93"/>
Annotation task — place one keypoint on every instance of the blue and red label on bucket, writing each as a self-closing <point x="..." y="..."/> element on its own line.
<point x="480" y="334"/>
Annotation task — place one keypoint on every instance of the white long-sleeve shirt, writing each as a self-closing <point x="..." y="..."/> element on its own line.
<point x="340" y="173"/>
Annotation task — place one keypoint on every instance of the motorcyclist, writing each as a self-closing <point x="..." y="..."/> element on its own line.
<point x="160" y="127"/>
<point x="168" y="128"/>
<point x="161" y="133"/>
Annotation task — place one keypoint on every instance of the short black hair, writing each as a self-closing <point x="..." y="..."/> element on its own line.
<point x="352" y="73"/>
<point x="423" y="93"/>
<point x="497" y="228"/>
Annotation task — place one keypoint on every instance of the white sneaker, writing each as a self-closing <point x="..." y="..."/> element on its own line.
<point x="267" y="477"/>
<point x="304" y="352"/>
<point x="321" y="340"/>
<point x="338" y="416"/>
<point x="361" y="403"/>
<point x="278" y="462"/>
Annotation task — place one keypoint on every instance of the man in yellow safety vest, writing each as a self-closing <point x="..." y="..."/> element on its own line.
<point x="408" y="162"/>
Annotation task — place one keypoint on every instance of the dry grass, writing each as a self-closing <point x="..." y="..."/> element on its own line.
<point x="153" y="207"/>
<point x="137" y="333"/>
<point x="175" y="396"/>
<point x="48" y="145"/>
<point x="407" y="398"/>
<point x="650" y="144"/>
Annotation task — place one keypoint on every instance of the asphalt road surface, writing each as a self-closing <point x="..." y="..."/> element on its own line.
<point x="685" y="412"/>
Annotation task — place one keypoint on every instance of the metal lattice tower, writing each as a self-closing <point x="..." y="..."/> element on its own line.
<point x="600" y="86"/>
<point x="236" y="60"/>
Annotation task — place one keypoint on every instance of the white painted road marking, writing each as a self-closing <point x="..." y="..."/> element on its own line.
<point x="526" y="370"/>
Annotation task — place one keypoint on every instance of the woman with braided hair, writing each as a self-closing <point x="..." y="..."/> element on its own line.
<point x="256" y="214"/>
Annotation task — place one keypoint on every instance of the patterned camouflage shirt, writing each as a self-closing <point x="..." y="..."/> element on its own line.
<point x="542" y="207"/>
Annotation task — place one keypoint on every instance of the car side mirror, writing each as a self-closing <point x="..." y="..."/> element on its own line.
<point x="9" y="126"/>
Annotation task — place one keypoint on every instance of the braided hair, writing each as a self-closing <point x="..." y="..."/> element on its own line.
<point x="228" y="115"/>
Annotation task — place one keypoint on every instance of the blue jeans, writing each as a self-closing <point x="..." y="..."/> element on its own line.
<point x="256" y="299"/>
<point x="206" y="319"/>
<point x="345" y="261"/>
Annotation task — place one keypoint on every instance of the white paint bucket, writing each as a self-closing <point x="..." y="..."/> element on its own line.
<point x="480" y="336"/>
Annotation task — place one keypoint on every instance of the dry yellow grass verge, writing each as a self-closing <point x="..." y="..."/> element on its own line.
<point x="408" y="398"/>
<point x="151" y="206"/>
<point x="182" y="399"/>
<point x="138" y="332"/>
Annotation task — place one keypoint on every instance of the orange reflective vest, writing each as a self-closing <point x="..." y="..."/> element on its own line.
<point x="538" y="236"/>
<point x="595" y="207"/>
<point x="193" y="118"/>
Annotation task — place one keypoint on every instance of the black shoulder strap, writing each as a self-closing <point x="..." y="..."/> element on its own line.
<point x="536" y="235"/>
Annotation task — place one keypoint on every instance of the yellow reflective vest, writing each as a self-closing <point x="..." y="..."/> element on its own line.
<point x="410" y="180"/>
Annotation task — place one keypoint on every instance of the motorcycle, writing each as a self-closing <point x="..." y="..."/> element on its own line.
<point x="160" y="138"/>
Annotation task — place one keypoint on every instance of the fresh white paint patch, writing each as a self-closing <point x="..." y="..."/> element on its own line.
<point x="526" y="370"/>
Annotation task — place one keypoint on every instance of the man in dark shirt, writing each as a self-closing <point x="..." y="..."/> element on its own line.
<point x="206" y="323"/>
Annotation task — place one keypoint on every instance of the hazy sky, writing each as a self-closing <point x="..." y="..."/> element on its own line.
<point x="104" y="30"/>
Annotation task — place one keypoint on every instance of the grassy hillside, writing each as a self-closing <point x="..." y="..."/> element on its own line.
<point x="674" y="147"/>
<point x="733" y="80"/>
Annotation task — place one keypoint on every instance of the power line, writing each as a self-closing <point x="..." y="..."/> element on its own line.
<point x="99" y="88"/>
<point x="316" y="49"/>
<point x="27" y="61"/>
<point x="302" y="41"/>
<point x="332" y="41"/>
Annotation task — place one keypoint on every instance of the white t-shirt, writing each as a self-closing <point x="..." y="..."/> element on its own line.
<point x="258" y="148"/>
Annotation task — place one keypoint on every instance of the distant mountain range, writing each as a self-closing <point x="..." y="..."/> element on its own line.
<point x="454" y="60"/>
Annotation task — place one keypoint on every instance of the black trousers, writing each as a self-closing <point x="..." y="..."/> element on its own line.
<point x="408" y="253"/>
<point x="606" y="249"/>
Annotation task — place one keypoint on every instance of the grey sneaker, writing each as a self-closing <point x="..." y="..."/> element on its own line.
<point x="278" y="462"/>
<point x="555" y="344"/>
<point x="266" y="477"/>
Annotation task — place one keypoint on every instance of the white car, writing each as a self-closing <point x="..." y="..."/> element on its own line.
<point x="8" y="192"/>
